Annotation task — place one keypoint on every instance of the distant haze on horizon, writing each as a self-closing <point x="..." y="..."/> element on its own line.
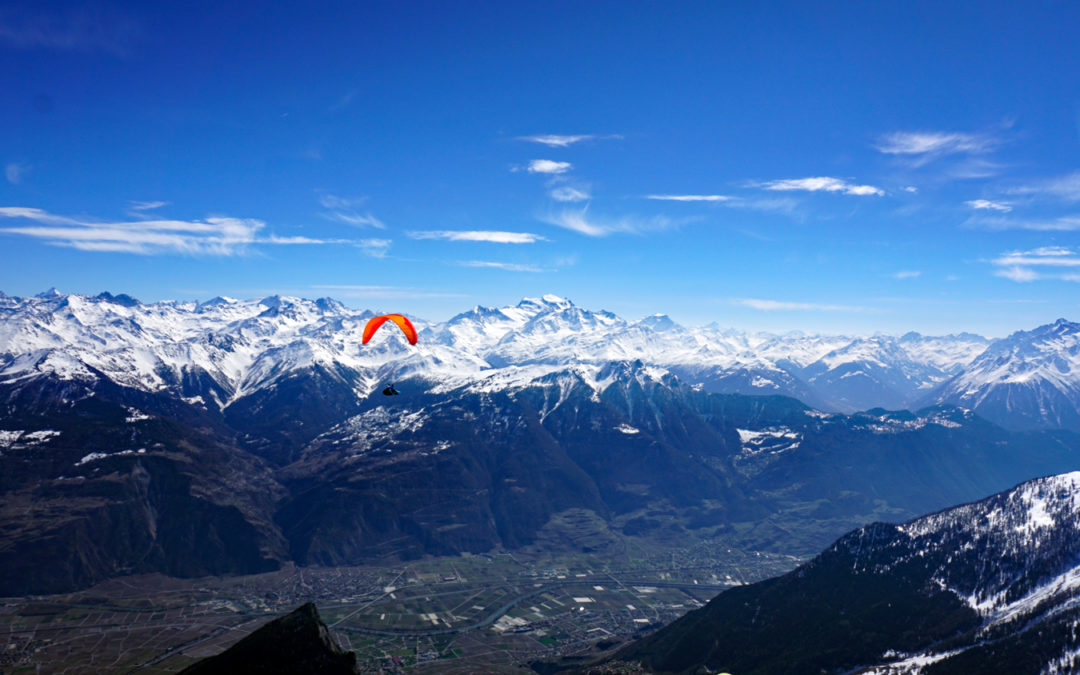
<point x="776" y="166"/>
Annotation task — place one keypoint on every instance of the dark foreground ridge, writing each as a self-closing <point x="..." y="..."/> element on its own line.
<point x="298" y="642"/>
<point x="979" y="588"/>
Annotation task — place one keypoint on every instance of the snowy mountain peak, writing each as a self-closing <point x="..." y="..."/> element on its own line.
<point x="1064" y="327"/>
<point x="1030" y="379"/>
<point x="272" y="301"/>
<point x="555" y="299"/>
<point x="1049" y="331"/>
<point x="546" y="302"/>
<point x="329" y="305"/>
<point x="218" y="301"/>
<point x="1030" y="506"/>
<point x="122" y="299"/>
<point x="659" y="323"/>
<point x="49" y="294"/>
<point x="477" y="313"/>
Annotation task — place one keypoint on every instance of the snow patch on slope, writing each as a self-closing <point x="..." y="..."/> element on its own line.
<point x="773" y="440"/>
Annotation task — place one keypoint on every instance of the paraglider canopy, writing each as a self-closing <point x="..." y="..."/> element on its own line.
<point x="403" y="323"/>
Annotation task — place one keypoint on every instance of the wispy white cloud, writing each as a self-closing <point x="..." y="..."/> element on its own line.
<point x="564" y="140"/>
<point x="1060" y="224"/>
<point x="140" y="209"/>
<point x="495" y="236"/>
<point x="579" y="220"/>
<point x="1065" y="187"/>
<point x="548" y="166"/>
<point x="970" y="168"/>
<point x="146" y="206"/>
<point x="298" y="240"/>
<point x="927" y="145"/>
<point x="376" y="248"/>
<point x="1038" y="264"/>
<point x="218" y="236"/>
<point x="212" y="236"/>
<point x="557" y="140"/>
<point x="1051" y="251"/>
<point x="823" y="184"/>
<point x="347" y="211"/>
<point x="782" y="306"/>
<point x="923" y="142"/>
<point x="785" y="205"/>
<point x="15" y="171"/>
<point x="566" y="193"/>
<point x="987" y="205"/>
<point x="510" y="267"/>
<point x="690" y="198"/>
<point x="969" y="151"/>
<point x="907" y="274"/>
<point x="1017" y="274"/>
<point x="1048" y="256"/>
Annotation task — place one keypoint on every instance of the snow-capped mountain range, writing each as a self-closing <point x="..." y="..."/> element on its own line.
<point x="1031" y="376"/>
<point x="129" y="428"/>
<point x="219" y="351"/>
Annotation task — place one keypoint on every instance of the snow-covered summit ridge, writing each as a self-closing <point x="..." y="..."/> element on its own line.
<point x="1013" y="558"/>
<point x="1040" y="505"/>
<point x="1030" y="379"/>
<point x="1049" y="353"/>
<point x="244" y="345"/>
<point x="1006" y="554"/>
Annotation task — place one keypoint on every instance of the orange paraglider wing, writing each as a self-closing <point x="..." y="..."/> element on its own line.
<point x="403" y="323"/>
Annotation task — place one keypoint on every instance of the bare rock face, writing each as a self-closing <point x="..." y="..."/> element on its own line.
<point x="298" y="642"/>
<point x="101" y="482"/>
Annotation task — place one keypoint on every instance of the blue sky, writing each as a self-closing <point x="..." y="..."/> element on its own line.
<point x="769" y="165"/>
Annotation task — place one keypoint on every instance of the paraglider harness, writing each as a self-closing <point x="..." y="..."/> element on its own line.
<point x="390" y="391"/>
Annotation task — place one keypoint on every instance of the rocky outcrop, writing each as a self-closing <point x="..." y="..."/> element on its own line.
<point x="298" y="642"/>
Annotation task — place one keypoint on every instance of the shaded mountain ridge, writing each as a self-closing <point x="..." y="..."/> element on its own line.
<point x="991" y="586"/>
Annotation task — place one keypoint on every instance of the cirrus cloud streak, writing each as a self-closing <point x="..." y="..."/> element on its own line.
<point x="987" y="205"/>
<point x="564" y="140"/>
<point x="557" y="140"/>
<point x="934" y="143"/>
<point x="690" y="198"/>
<point x="494" y="236"/>
<point x="823" y="184"/>
<point x="215" y="236"/>
<point x="1037" y="264"/>
<point x="510" y="267"/>
<point x="579" y="220"/>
